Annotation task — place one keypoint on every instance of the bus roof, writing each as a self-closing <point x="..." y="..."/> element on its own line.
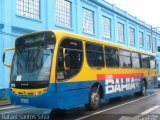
<point x="62" y="34"/>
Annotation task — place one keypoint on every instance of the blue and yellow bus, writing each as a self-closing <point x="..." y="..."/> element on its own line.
<point x="61" y="70"/>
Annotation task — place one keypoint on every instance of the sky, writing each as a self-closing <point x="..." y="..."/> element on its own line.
<point x="145" y="10"/>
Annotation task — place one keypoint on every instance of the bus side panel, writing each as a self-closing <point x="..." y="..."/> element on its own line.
<point x="122" y="88"/>
<point x="72" y="94"/>
<point x="110" y="89"/>
<point x="155" y="81"/>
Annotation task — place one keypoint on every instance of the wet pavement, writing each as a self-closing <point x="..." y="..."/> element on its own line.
<point x="4" y="102"/>
<point x="127" y="108"/>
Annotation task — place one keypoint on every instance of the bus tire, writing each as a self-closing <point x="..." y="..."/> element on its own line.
<point x="57" y="113"/>
<point x="94" y="99"/>
<point x="143" y="89"/>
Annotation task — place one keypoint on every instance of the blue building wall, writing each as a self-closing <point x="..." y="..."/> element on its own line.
<point x="13" y="25"/>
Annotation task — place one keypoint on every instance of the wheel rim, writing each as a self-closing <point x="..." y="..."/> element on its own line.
<point x="144" y="89"/>
<point x="95" y="99"/>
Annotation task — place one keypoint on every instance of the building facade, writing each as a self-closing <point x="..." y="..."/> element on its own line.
<point x="92" y="18"/>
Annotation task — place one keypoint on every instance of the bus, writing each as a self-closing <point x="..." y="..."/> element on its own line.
<point x="62" y="70"/>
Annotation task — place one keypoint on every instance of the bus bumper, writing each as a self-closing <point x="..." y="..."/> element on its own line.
<point x="45" y="100"/>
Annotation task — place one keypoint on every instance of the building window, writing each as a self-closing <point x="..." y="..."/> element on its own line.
<point x="154" y="44"/>
<point x="140" y="38"/>
<point x="88" y="21"/>
<point x="132" y="36"/>
<point x="28" y="8"/>
<point x="106" y="27"/>
<point x="63" y="13"/>
<point x="120" y="31"/>
<point x="148" y="39"/>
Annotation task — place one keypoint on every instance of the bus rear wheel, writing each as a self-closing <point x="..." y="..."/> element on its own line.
<point x="143" y="89"/>
<point x="94" y="99"/>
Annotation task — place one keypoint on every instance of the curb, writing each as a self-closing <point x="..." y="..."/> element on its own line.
<point x="4" y="103"/>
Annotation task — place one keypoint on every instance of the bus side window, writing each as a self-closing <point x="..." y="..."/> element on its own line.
<point x="152" y="62"/>
<point x="145" y="61"/>
<point x="136" y="60"/>
<point x="125" y="58"/>
<point x="95" y="56"/>
<point x="70" y="58"/>
<point x="111" y="57"/>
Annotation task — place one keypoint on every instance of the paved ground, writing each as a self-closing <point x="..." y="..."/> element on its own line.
<point x="4" y="103"/>
<point x="128" y="108"/>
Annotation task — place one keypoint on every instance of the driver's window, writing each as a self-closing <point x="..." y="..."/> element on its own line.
<point x="70" y="58"/>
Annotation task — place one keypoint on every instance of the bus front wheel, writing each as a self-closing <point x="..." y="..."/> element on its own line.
<point x="57" y="113"/>
<point x="94" y="99"/>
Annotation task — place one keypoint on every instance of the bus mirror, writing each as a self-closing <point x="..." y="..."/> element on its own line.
<point x="158" y="48"/>
<point x="4" y="57"/>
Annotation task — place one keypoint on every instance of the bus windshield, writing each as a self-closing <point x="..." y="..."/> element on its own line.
<point x="32" y="63"/>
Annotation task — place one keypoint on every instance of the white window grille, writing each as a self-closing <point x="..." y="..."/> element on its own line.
<point x="28" y="8"/>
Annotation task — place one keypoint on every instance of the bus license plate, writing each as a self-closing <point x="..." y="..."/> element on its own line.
<point x="24" y="100"/>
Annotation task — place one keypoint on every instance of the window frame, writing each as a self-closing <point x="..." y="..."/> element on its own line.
<point x="132" y="32"/>
<point x="148" y="41"/>
<point x="142" y="38"/>
<point x="155" y="67"/>
<point x="139" y="57"/>
<point x="109" y="36"/>
<point x="66" y="79"/>
<point x="84" y="29"/>
<point x="105" y="57"/>
<point x="125" y="56"/>
<point x="142" y="61"/>
<point x="92" y="43"/>
<point x="23" y="8"/>
<point x="154" y="44"/>
<point x="60" y="21"/>
<point x="120" y="38"/>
